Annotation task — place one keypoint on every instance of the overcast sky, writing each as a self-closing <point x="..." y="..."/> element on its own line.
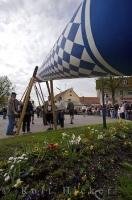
<point x="28" y="31"/>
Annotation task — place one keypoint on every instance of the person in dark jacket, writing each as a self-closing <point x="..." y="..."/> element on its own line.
<point x="12" y="111"/>
<point x="27" y="118"/>
<point x="4" y="110"/>
<point x="70" y="108"/>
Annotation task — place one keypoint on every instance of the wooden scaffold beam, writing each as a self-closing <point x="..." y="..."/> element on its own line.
<point x="26" y="99"/>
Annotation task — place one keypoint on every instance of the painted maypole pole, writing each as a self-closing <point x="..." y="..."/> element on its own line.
<point x="96" y="42"/>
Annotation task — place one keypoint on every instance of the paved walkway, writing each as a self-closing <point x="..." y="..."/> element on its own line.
<point x="79" y="120"/>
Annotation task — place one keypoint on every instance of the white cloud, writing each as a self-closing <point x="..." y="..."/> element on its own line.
<point x="28" y="30"/>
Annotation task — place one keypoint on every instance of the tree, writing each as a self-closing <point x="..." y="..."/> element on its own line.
<point x="5" y="89"/>
<point x="111" y="84"/>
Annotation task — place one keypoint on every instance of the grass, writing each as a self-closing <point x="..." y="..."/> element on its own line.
<point x="18" y="143"/>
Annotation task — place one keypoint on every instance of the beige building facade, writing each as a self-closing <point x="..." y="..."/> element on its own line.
<point x="123" y="93"/>
<point x="69" y="94"/>
<point x="77" y="101"/>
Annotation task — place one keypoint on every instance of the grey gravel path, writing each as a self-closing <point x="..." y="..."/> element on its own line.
<point x="79" y="120"/>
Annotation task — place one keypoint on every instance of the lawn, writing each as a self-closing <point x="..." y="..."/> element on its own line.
<point x="85" y="163"/>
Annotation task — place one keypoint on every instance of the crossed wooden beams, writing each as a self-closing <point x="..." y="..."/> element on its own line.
<point x="26" y="96"/>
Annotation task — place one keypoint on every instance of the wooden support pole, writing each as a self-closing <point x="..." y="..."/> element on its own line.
<point x="41" y="93"/>
<point x="53" y="104"/>
<point x="48" y="87"/>
<point x="37" y="95"/>
<point x="27" y="96"/>
<point x="44" y="109"/>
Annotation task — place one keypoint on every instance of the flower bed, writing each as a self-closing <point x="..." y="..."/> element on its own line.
<point x="82" y="165"/>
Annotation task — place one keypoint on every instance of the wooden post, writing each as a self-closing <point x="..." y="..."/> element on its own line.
<point x="44" y="106"/>
<point x="53" y="104"/>
<point x="48" y="87"/>
<point x="41" y="93"/>
<point x="37" y="95"/>
<point x="32" y="80"/>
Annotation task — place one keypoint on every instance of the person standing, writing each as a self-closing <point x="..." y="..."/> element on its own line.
<point x="44" y="114"/>
<point x="38" y="111"/>
<point x="60" y="111"/>
<point x="70" y="108"/>
<point x="122" y="111"/>
<point x="84" y="110"/>
<point x="27" y="118"/>
<point x="49" y="113"/>
<point x="32" y="116"/>
<point x="4" y="110"/>
<point x="12" y="111"/>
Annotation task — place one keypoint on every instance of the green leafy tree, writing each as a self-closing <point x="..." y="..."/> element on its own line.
<point x="111" y="84"/>
<point x="5" y="90"/>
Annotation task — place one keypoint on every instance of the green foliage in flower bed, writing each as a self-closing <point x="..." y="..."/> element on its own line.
<point x="125" y="186"/>
<point x="80" y="163"/>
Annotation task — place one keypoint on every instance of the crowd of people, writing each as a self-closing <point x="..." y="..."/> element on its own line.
<point x="122" y="110"/>
<point x="60" y="109"/>
<point x="14" y="110"/>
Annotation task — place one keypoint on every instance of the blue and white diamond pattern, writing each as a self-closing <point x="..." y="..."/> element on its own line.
<point x="69" y="57"/>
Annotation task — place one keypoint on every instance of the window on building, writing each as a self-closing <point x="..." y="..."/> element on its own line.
<point x="129" y="92"/>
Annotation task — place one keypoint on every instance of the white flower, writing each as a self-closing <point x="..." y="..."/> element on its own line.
<point x="73" y="137"/>
<point x="100" y="137"/>
<point x="75" y="140"/>
<point x="15" y="159"/>
<point x="64" y="134"/>
<point x="12" y="166"/>
<point x="7" y="178"/>
<point x="78" y="139"/>
<point x="18" y="183"/>
<point x="18" y="161"/>
<point x="124" y="136"/>
<point x="19" y="158"/>
<point x="91" y="147"/>
<point x="71" y="141"/>
<point x="11" y="158"/>
<point x="5" y="174"/>
<point x="24" y="155"/>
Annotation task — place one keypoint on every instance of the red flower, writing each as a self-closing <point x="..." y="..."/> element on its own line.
<point x="53" y="146"/>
